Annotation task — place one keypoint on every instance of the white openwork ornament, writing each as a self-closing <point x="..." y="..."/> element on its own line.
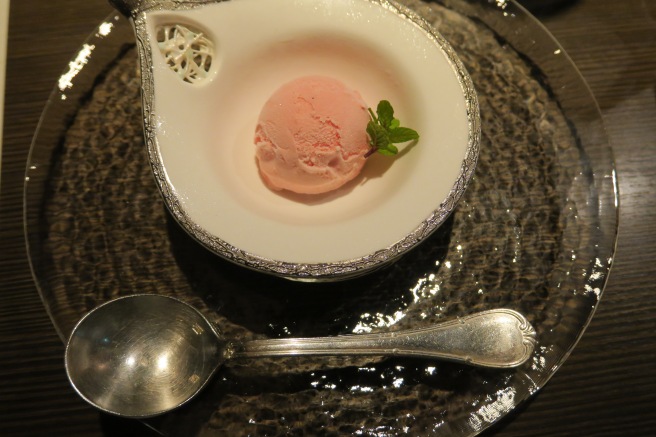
<point x="187" y="52"/>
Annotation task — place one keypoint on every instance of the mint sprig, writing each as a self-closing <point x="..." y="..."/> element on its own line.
<point x="384" y="131"/>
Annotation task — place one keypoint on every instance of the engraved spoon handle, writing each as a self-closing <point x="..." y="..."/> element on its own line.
<point x="498" y="338"/>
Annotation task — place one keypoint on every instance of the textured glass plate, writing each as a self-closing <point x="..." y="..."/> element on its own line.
<point x="534" y="232"/>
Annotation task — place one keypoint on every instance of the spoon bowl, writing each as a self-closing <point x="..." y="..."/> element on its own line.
<point x="144" y="355"/>
<point x="139" y="356"/>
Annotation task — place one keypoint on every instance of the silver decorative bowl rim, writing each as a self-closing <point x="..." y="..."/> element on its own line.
<point x="325" y="271"/>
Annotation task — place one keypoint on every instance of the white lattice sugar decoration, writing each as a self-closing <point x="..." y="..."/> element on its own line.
<point x="187" y="52"/>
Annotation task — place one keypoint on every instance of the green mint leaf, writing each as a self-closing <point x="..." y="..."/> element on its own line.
<point x="371" y="131"/>
<point x="384" y="130"/>
<point x="391" y="149"/>
<point x="378" y="135"/>
<point x="382" y="137"/>
<point x="372" y="115"/>
<point x="402" y="134"/>
<point x="386" y="152"/>
<point x="385" y="113"/>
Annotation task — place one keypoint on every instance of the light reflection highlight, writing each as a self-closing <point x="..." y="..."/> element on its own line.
<point x="105" y="28"/>
<point x="488" y="413"/>
<point x="362" y="389"/>
<point x="163" y="362"/>
<point x="378" y="320"/>
<point x="75" y="66"/>
<point x="197" y="329"/>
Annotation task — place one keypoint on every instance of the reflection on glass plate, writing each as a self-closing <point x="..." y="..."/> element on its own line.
<point x="535" y="232"/>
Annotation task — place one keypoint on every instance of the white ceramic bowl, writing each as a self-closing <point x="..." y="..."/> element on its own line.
<point x="200" y="129"/>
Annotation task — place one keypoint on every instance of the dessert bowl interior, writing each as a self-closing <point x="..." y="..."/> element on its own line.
<point x="200" y="130"/>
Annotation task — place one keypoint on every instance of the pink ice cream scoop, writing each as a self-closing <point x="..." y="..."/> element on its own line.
<point x="311" y="136"/>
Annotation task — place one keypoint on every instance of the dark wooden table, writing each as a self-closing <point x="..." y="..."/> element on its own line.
<point x="606" y="388"/>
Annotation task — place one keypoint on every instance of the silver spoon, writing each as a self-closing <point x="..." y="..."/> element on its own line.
<point x="143" y="355"/>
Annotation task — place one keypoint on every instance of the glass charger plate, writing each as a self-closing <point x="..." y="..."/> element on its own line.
<point x="534" y="232"/>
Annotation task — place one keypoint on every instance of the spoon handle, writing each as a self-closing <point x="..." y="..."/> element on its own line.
<point x="499" y="338"/>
